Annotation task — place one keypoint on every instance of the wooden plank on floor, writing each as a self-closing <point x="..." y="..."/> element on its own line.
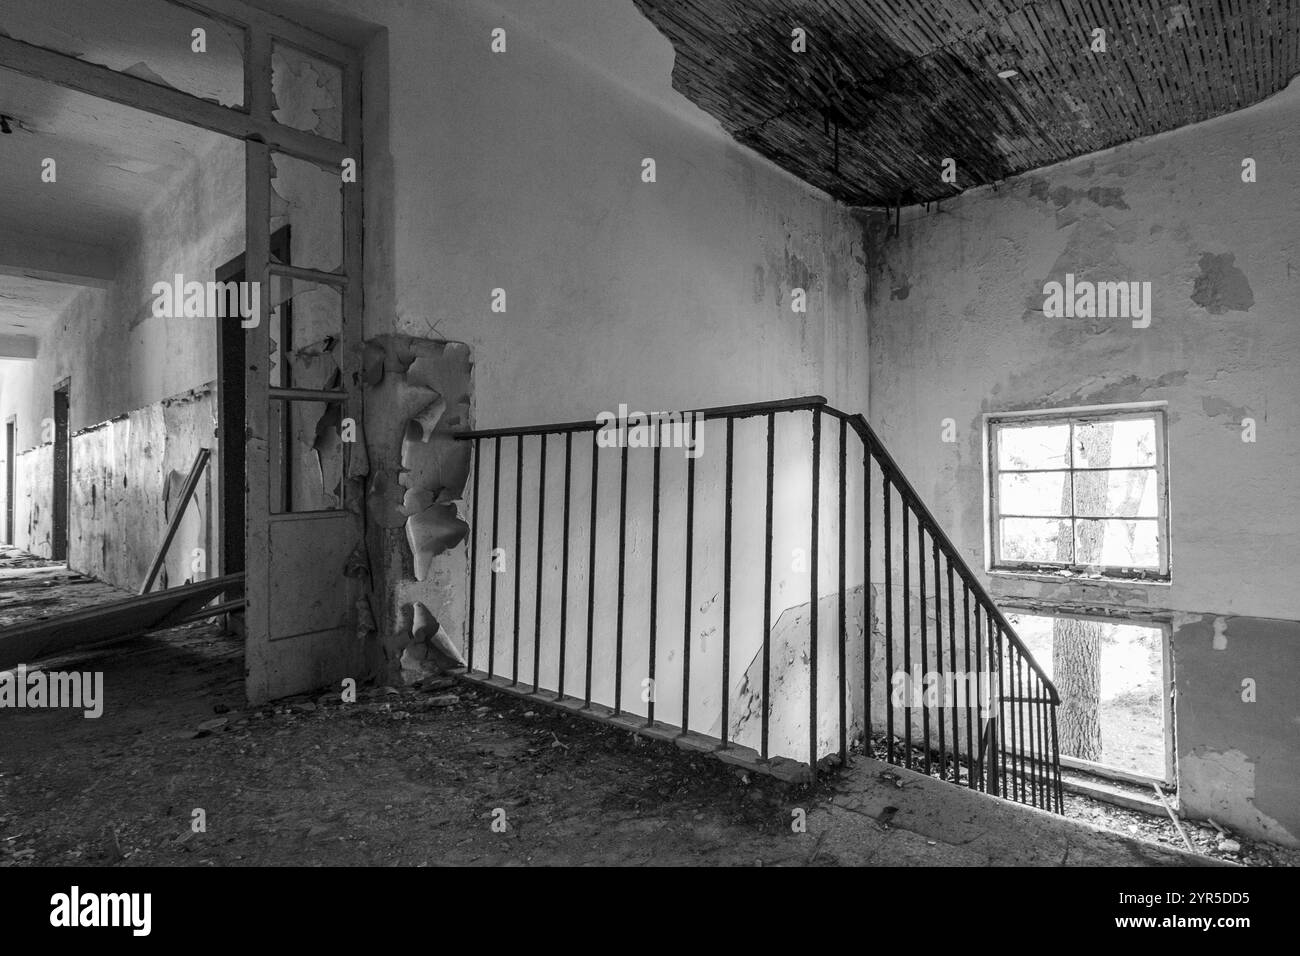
<point x="108" y="622"/>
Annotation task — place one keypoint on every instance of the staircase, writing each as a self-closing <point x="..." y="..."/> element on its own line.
<point x="757" y="581"/>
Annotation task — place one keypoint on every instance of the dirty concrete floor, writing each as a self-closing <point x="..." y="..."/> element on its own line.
<point x="417" y="776"/>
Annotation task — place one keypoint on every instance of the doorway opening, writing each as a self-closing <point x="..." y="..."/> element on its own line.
<point x="62" y="463"/>
<point x="10" y="447"/>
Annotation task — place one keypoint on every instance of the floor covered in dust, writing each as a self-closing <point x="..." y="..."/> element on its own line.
<point x="442" y="774"/>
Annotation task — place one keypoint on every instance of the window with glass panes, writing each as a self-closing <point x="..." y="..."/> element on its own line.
<point x="1085" y="492"/>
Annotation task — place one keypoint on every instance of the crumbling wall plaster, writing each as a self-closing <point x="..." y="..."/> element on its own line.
<point x="125" y="480"/>
<point x="417" y="395"/>
<point x="970" y="337"/>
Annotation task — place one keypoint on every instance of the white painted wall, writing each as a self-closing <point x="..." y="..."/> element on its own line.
<point x="957" y="331"/>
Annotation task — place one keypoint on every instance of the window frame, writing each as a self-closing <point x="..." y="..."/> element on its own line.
<point x="996" y="563"/>
<point x="1120" y="616"/>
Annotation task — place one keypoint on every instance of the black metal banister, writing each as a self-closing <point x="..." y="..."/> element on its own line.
<point x="887" y="463"/>
<point x="706" y="414"/>
<point x="1007" y="751"/>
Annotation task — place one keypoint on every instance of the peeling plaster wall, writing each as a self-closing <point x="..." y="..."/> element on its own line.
<point x="1237" y="759"/>
<point x="417" y="394"/>
<point x="958" y="330"/>
<point x="126" y="478"/>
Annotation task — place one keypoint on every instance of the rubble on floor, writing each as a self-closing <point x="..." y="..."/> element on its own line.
<point x="1206" y="839"/>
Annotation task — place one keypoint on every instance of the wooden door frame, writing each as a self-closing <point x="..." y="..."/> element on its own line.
<point x="254" y="124"/>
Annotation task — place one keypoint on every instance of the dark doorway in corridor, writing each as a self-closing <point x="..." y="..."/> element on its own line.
<point x="62" y="465"/>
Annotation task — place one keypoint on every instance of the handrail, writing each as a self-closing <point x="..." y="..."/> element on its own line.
<point x="1018" y="753"/>
<point x="874" y="446"/>
<point x="868" y="435"/>
<point x="588" y="424"/>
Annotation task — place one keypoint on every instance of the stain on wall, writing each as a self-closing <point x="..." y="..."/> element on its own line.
<point x="1222" y="287"/>
<point x="972" y="339"/>
<point x="1237" y="756"/>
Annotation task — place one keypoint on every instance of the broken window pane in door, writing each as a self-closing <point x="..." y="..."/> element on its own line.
<point x="306" y="456"/>
<point x="152" y="40"/>
<point x="307" y="92"/>
<point x="309" y="201"/>
<point x="306" y="334"/>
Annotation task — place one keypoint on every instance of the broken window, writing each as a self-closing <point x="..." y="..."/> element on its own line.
<point x="1114" y="685"/>
<point x="309" y="201"/>
<point x="1082" y="493"/>
<point x="307" y="91"/>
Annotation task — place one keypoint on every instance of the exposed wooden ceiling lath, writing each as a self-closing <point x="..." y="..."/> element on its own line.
<point x="888" y="89"/>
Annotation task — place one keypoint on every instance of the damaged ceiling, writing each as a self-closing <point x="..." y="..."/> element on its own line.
<point x="886" y="90"/>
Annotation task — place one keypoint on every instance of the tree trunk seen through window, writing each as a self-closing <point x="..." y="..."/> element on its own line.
<point x="1076" y="644"/>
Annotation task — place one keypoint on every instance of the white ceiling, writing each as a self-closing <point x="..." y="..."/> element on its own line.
<point x="112" y="163"/>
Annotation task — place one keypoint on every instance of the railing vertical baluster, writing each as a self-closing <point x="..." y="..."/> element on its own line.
<point x="1056" y="765"/>
<point x="952" y="667"/>
<point x="726" y="589"/>
<point x="1041" y="723"/>
<point x="1026" y="730"/>
<point x="867" y="640"/>
<point x="907" y="635"/>
<point x="496" y="514"/>
<point x="564" y="562"/>
<point x="812" y="589"/>
<point x="516" y="559"/>
<point x="541" y="531"/>
<point x="985" y="714"/>
<point x="1013" y="757"/>
<point x="843" y="555"/>
<point x="591" y="563"/>
<point x="942" y="691"/>
<point x="1018" y="741"/>
<point x="767" y="584"/>
<point x="925" y="647"/>
<point x="1003" y="681"/>
<point x="1042" y="745"/>
<point x="965" y="643"/>
<point x="472" y="552"/>
<point x="889" y="616"/>
<point x="654" y="586"/>
<point x="622" y="573"/>
<point x="1012" y="740"/>
<point x="686" y="610"/>
<point x="1048" y="754"/>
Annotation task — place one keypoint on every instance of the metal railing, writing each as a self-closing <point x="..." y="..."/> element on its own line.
<point x="970" y="704"/>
